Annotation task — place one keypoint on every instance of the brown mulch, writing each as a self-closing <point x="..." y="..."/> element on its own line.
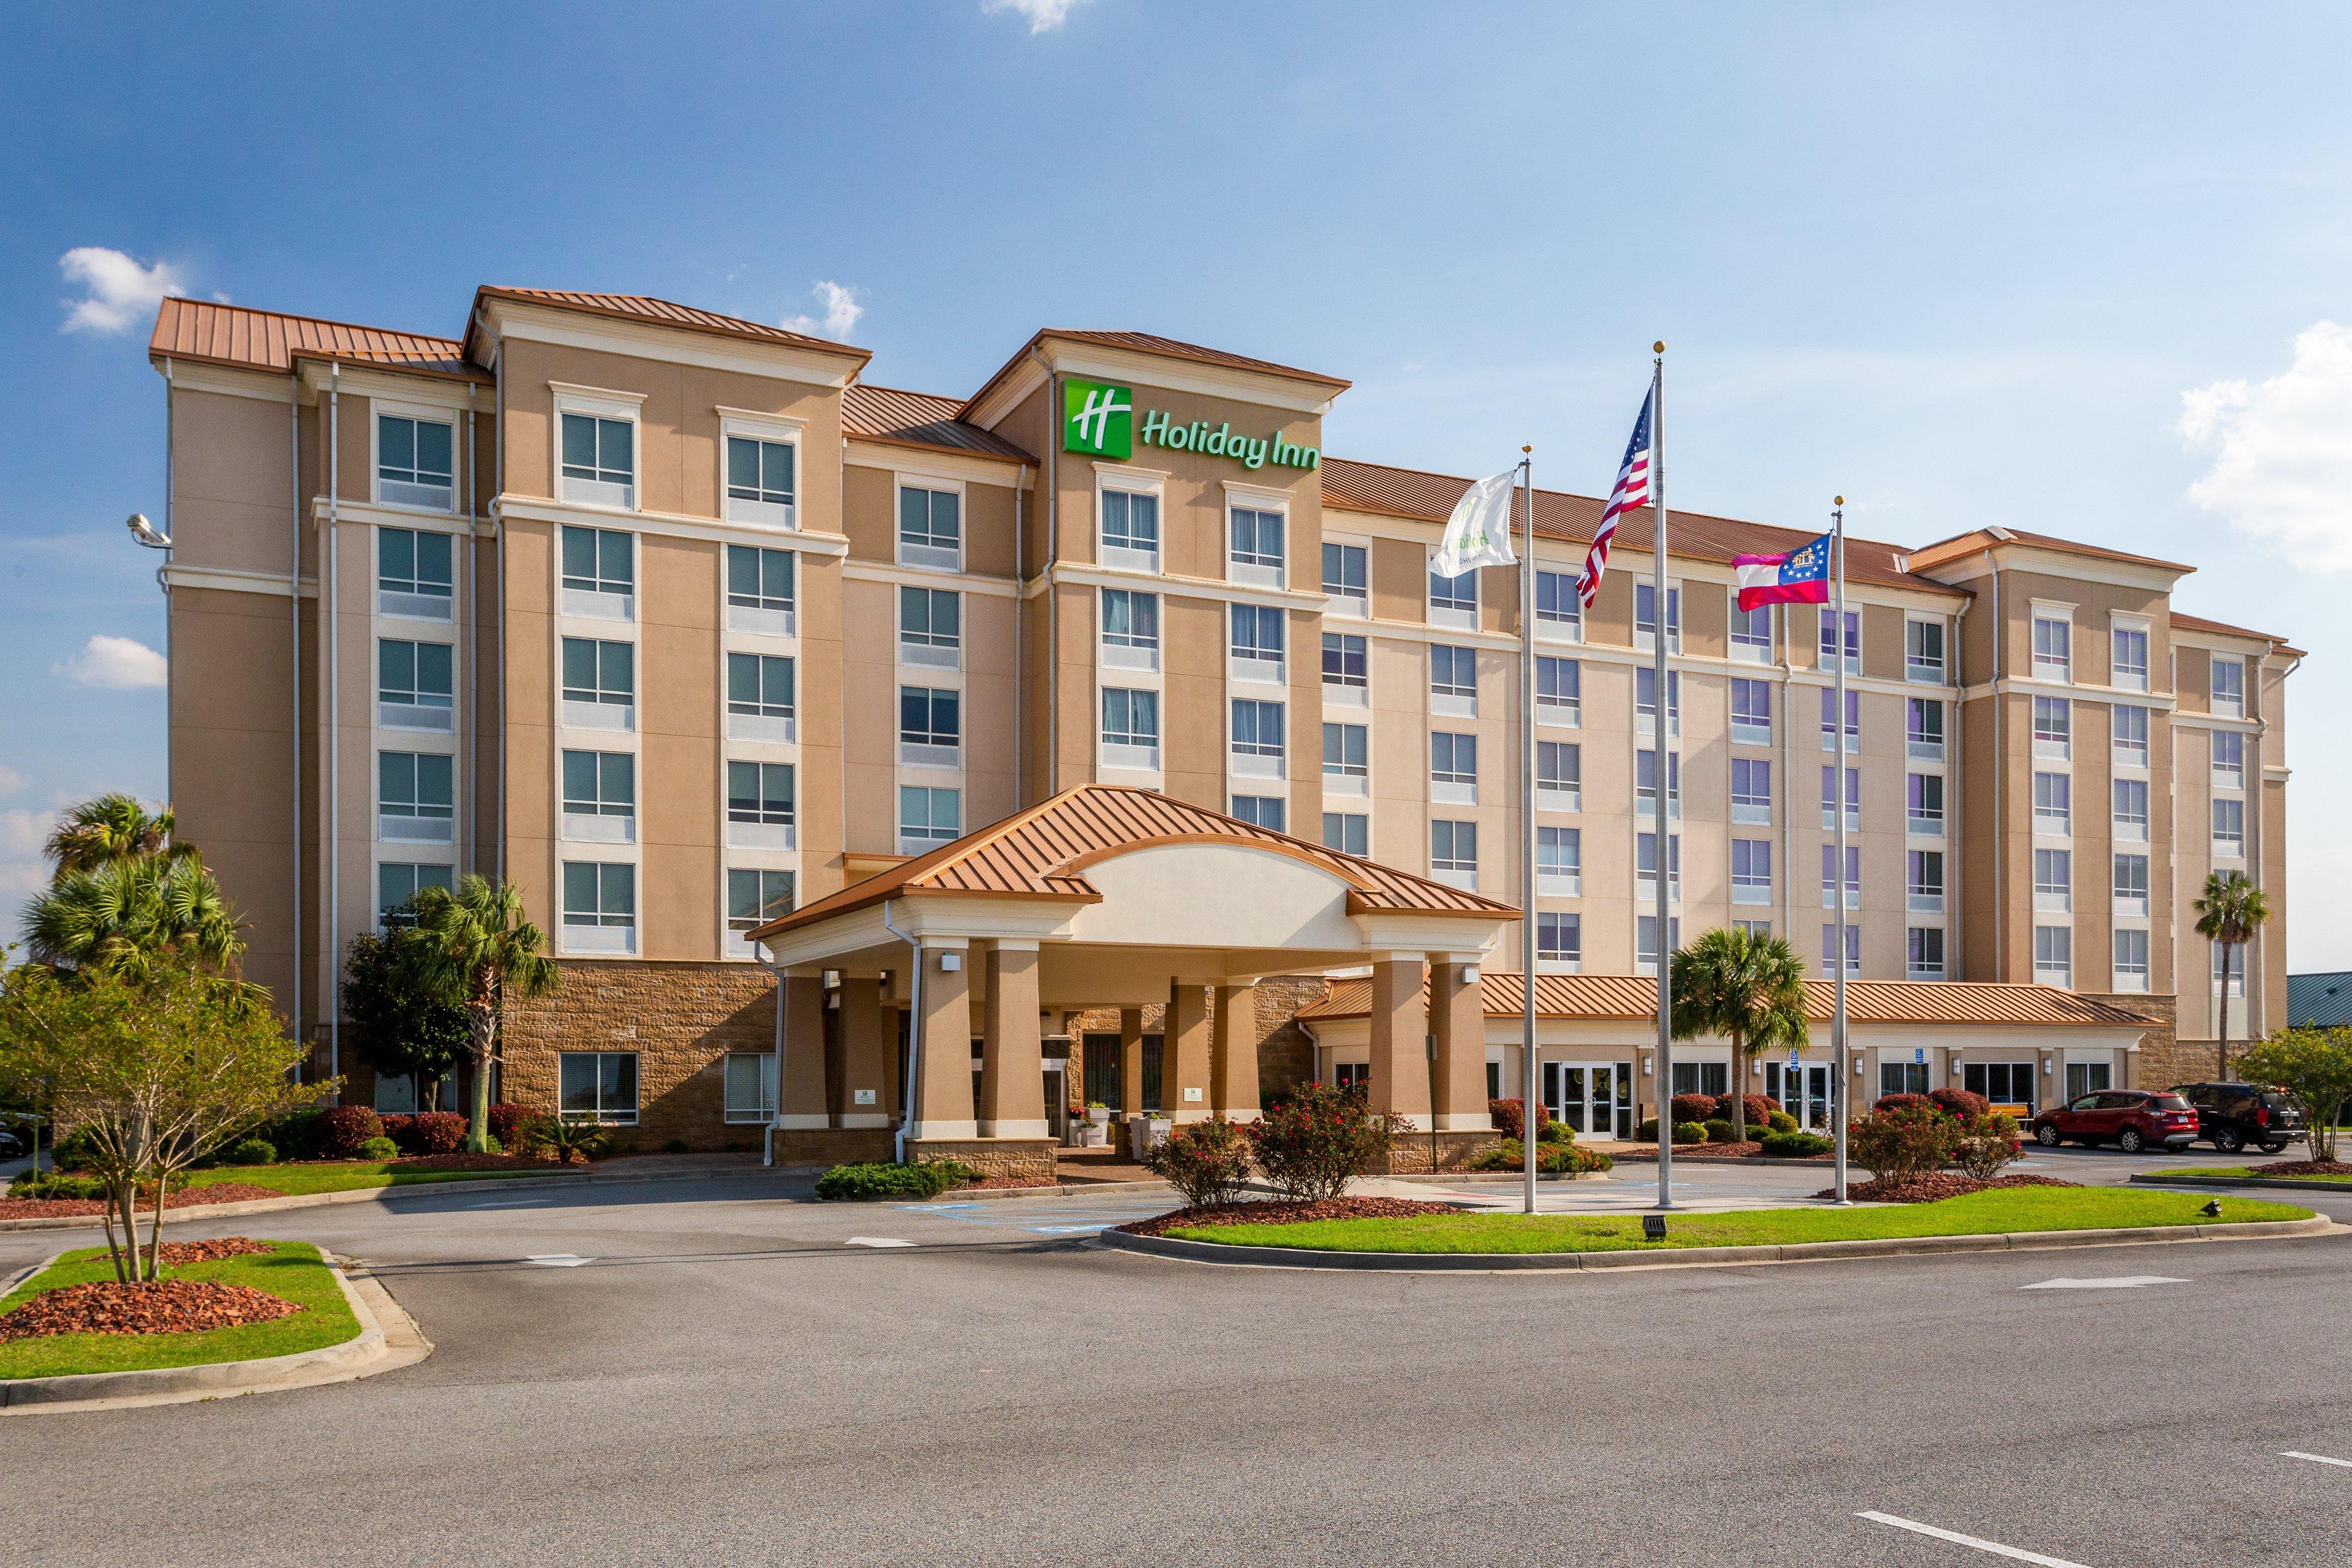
<point x="186" y="1197"/>
<point x="180" y="1254"/>
<point x="164" y="1307"/>
<point x="2303" y="1168"/>
<point x="1933" y="1187"/>
<point x="1289" y="1212"/>
<point x="1004" y="1181"/>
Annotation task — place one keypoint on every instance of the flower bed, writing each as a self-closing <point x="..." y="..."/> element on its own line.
<point x="164" y="1307"/>
<point x="1279" y="1213"/>
<point x="1933" y="1187"/>
<point x="180" y="1254"/>
<point x="88" y="1208"/>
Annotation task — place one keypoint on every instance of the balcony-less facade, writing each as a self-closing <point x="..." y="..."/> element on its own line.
<point x="681" y="622"/>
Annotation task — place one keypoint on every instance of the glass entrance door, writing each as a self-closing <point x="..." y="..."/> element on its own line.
<point x="1803" y="1091"/>
<point x="1589" y="1098"/>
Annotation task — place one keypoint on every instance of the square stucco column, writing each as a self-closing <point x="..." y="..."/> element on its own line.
<point x="1400" y="1078"/>
<point x="1184" y="1053"/>
<point x="943" y="1060"/>
<point x="1458" y="1017"/>
<point x="801" y="1097"/>
<point x="869" y="1064"/>
<point x="1011" y="1060"/>
<point x="1131" y="1061"/>
<point x="1232" y="1054"/>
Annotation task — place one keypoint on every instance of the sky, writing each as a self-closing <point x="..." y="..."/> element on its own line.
<point x="2080" y="268"/>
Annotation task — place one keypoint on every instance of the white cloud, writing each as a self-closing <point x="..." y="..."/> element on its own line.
<point x="11" y="781"/>
<point x="23" y="868"/>
<point x="119" y="292"/>
<point x="2282" y="451"/>
<point x="841" y="312"/>
<point x="1043" y="16"/>
<point x="117" y="664"/>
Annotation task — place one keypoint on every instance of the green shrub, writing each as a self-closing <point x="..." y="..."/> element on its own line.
<point x="1554" y="1132"/>
<point x="53" y="1185"/>
<point x="490" y="1144"/>
<point x="378" y="1148"/>
<point x="1647" y="1132"/>
<point x="1205" y="1161"/>
<point x="1689" y="1133"/>
<point x="1903" y="1140"/>
<point x="251" y="1152"/>
<point x="1782" y="1121"/>
<point x="1988" y="1141"/>
<point x="71" y="1153"/>
<point x="1311" y="1144"/>
<point x="1562" y="1159"/>
<point x="1721" y="1131"/>
<point x="566" y="1141"/>
<point x="881" y="1179"/>
<point x="1797" y="1145"/>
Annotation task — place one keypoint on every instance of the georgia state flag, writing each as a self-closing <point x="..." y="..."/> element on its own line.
<point x="1799" y="577"/>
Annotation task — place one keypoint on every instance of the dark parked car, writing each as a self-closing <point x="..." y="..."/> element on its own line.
<point x="2232" y="1115"/>
<point x="14" y="1146"/>
<point x="2130" y="1118"/>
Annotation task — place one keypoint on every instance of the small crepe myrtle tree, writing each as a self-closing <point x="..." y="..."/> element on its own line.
<point x="1311" y="1144"/>
<point x="1205" y="1161"/>
<point x="2313" y="1068"/>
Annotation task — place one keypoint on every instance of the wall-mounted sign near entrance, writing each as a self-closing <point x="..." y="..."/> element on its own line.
<point x="1098" y="419"/>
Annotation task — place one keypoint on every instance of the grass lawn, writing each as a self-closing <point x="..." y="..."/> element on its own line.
<point x="292" y="1271"/>
<point x="1978" y="1214"/>
<point x="344" y="1175"/>
<point x="2264" y="1175"/>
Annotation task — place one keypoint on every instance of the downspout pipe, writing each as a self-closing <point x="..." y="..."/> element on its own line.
<point x="768" y="1139"/>
<point x="1046" y="570"/>
<point x="164" y="573"/>
<point x="2000" y="822"/>
<point x="334" y="731"/>
<point x="294" y="626"/>
<point x="1953" y="772"/>
<point x="913" y="1034"/>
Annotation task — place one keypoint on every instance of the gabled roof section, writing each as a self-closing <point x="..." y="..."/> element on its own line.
<point x="1164" y="348"/>
<point x="237" y="335"/>
<point x="919" y="419"/>
<point x="2224" y="628"/>
<point x="646" y="310"/>
<point x="1041" y="853"/>
<point x="1690" y="535"/>
<point x="1631" y="997"/>
<point x="1978" y="541"/>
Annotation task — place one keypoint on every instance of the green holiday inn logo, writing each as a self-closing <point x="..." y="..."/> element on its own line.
<point x="1098" y="419"/>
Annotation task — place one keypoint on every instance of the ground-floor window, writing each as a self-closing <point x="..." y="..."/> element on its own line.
<point x="2004" y="1083"/>
<point x="750" y="1086"/>
<point x="2088" y="1077"/>
<point x="600" y="1086"/>
<point x="1494" y="1080"/>
<point x="1902" y="1078"/>
<point x="1353" y="1074"/>
<point x="1702" y="1077"/>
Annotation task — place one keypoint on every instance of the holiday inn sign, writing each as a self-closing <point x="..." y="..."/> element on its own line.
<point x="1098" y="419"/>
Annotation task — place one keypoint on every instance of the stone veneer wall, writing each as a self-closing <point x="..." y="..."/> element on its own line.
<point x="1285" y="1057"/>
<point x="2163" y="1059"/>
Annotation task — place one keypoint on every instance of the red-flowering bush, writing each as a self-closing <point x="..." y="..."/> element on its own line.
<point x="1205" y="1161"/>
<point x="1309" y="1146"/>
<point x="507" y="1123"/>
<point x="1903" y="1140"/>
<point x="1698" y="1108"/>
<point x="342" y="1130"/>
<point x="1988" y="1141"/>
<point x="1960" y="1104"/>
<point x="1904" y="1102"/>
<point x="1759" y="1109"/>
<point x="1511" y="1123"/>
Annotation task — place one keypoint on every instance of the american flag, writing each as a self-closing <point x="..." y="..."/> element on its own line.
<point x="1633" y="491"/>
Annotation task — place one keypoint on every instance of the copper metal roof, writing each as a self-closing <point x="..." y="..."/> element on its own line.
<point x="1041" y="853"/>
<point x="1982" y="539"/>
<point x="1625" y="996"/>
<point x="2224" y="628"/>
<point x="664" y="313"/>
<point x="1165" y="348"/>
<point x="1430" y="498"/>
<point x="215" y="334"/>
<point x="919" y="419"/>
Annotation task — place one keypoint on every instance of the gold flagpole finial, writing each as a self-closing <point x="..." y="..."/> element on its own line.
<point x="1659" y="347"/>
<point x="1837" y="500"/>
<point x="1525" y="450"/>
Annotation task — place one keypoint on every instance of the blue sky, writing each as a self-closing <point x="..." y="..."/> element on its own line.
<point x="2075" y="269"/>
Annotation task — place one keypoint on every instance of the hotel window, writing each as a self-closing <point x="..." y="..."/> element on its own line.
<point x="1923" y="728"/>
<point x="415" y="684"/>
<point x="2053" y="881"/>
<point x="1559" y="775"/>
<point x="1924" y="890"/>
<point x="760" y="696"/>
<point x="1348" y="832"/>
<point x="600" y="797"/>
<point x="1925" y="960"/>
<point x="413" y="462"/>
<point x="1751" y="633"/>
<point x="2131" y="960"/>
<point x="1256" y="546"/>
<point x="1258" y="736"/>
<point x="600" y="906"/>
<point x="2129" y="659"/>
<point x="599" y="573"/>
<point x="1923" y="651"/>
<point x="1645" y="701"/>
<point x="1454" y="768"/>
<point x="1256" y="642"/>
<point x="2131" y="735"/>
<point x="1852" y="876"/>
<point x="760" y="590"/>
<point x="2237" y="980"/>
<point x="1904" y="1078"/>
<point x="759" y="795"/>
<point x="1828" y="641"/>
<point x="1923" y="815"/>
<point x="2053" y="955"/>
<point x="753" y="899"/>
<point x="2052" y="727"/>
<point x="750" y="1076"/>
<point x="760" y="481"/>
<point x="1454" y="854"/>
<point x="1751" y="870"/>
<point x="1559" y="861"/>
<point x="600" y="684"/>
<point x="1645" y="866"/>
<point x="397" y="882"/>
<point x="1751" y="790"/>
<point x="1346" y="661"/>
<point x="1346" y="752"/>
<point x="599" y="1085"/>
<point x="412" y="575"/>
<point x="1645" y="616"/>
<point x="2054" y="648"/>
<point x="2229" y="760"/>
<point x="930" y="627"/>
<point x="1130" y="530"/>
<point x="931" y="726"/>
<point x="1645" y="784"/>
<point x="1830" y="797"/>
<point x="2054" y="804"/>
<point x="2131" y="885"/>
<point x="1345" y="577"/>
<point x="1830" y="720"/>
<point x="1852" y="951"/>
<point x="1557" y="605"/>
<point x="600" y="464"/>
<point x="2229" y="830"/>
<point x="1559" y="692"/>
<point x="1452" y="681"/>
<point x="2229" y="688"/>
<point x="2131" y="810"/>
<point x="416" y="797"/>
<point x="931" y="528"/>
<point x="1453" y="601"/>
<point x="2012" y="1083"/>
<point x="1130" y="629"/>
<point x="1645" y="961"/>
<point x="1751" y="712"/>
<point x="927" y="819"/>
<point x="1261" y="811"/>
<point x="1559" y="937"/>
<point x="1130" y="725"/>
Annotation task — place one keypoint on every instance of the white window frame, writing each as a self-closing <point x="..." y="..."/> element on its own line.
<point x="1452" y="786"/>
<point x="411" y="605"/>
<point x="577" y="713"/>
<point x="599" y="403"/>
<point x="2127" y="755"/>
<point x="759" y="1066"/>
<point x="2046" y="612"/>
<point x="1249" y="498"/>
<point x="2220" y="708"/>
<point x="762" y="618"/>
<point x="1562" y="710"/>
<point x="775" y="430"/>
<point x="737" y="942"/>
<point x="2128" y="830"/>
<point x="396" y="493"/>
<point x="1916" y="669"/>
<point x="1747" y="811"/>
<point x="600" y="1116"/>
<point x="2061" y="747"/>
<point x="2132" y="969"/>
<point x="1449" y="616"/>
<point x="2053" y="955"/>
<point x="926" y="649"/>
<point x="600" y="822"/>
<point x="1556" y="626"/>
<point x="2232" y="846"/>
<point x="1560" y="862"/>
<point x="1914" y="965"/>
<point x="2118" y="626"/>
<point x="1745" y="729"/>
<point x="1359" y="605"/>
<point x="430" y="717"/>
<point x="1258" y="762"/>
<point x="2053" y="881"/>
<point x="931" y="836"/>
<point x="930" y="556"/>
<point x="2053" y="822"/>
<point x="1251" y="664"/>
<point x="759" y="723"/>
<point x="1554" y="793"/>
<point x="603" y="934"/>
<point x="1138" y="754"/>
<point x="1825" y="630"/>
<point x="757" y="827"/>
<point x="1744" y="651"/>
<point x="1451" y="703"/>
<point x="1747" y="885"/>
<point x="1647" y="641"/>
<point x="596" y="603"/>
<point x="2227" y="777"/>
<point x="927" y="754"/>
<point x="1111" y="478"/>
<point x="2129" y="904"/>
<point x="415" y="820"/>
<point x="1129" y="651"/>
<point x="1453" y="872"/>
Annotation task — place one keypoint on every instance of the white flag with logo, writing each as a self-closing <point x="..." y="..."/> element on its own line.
<point x="1480" y="531"/>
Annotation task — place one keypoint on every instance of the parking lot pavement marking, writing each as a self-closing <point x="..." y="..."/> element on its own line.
<point x="516" y="1204"/>
<point x="2015" y="1554"/>
<point x="1089" y="1228"/>
<point x="878" y="1241"/>
<point x="560" y="1261"/>
<point x="2315" y="1458"/>
<point x="2109" y="1283"/>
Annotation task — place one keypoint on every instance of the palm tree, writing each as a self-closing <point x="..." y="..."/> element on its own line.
<point x="474" y="947"/>
<point x="110" y="829"/>
<point x="2229" y="915"/>
<point x="1747" y="987"/>
<point x="132" y="910"/>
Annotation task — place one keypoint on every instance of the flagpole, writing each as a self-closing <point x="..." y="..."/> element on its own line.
<point x="1658" y="622"/>
<point x="1527" y="827"/>
<point x="1843" y="1069"/>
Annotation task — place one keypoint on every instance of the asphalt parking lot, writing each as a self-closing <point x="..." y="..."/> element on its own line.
<point x="714" y="1371"/>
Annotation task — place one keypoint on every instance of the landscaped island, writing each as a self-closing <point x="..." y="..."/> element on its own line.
<point x="211" y="1301"/>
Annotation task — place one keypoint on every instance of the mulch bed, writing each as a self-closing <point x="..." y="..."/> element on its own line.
<point x="1004" y="1182"/>
<point x="186" y="1197"/>
<point x="1934" y="1185"/>
<point x="180" y="1254"/>
<point x="2303" y="1168"/>
<point x="1289" y="1212"/>
<point x="165" y="1307"/>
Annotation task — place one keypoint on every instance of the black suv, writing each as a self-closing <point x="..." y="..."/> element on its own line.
<point x="2232" y="1115"/>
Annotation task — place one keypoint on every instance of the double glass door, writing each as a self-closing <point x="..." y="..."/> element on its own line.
<point x="1803" y="1091"/>
<point x="1591" y="1099"/>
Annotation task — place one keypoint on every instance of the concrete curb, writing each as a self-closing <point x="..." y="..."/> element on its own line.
<point x="2294" y="1184"/>
<point x="1076" y="1190"/>
<point x="388" y="1340"/>
<point x="1702" y="1256"/>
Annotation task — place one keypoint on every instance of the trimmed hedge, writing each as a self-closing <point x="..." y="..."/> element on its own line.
<point x="1689" y="1133"/>
<point x="1720" y="1131"/>
<point x="1511" y="1123"/>
<point x="1759" y="1109"/>
<point x="1551" y="1159"/>
<point x="1796" y="1145"/>
<point x="345" y="1130"/>
<point x="874" y="1182"/>
<point x="1696" y="1108"/>
<point x="426" y="1132"/>
<point x="251" y="1152"/>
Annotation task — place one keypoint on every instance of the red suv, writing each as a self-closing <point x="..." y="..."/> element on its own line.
<point x="2130" y="1118"/>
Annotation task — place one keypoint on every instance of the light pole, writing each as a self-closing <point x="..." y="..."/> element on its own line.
<point x="148" y="536"/>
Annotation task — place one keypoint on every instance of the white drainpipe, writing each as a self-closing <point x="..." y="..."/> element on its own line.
<point x="914" y="1037"/>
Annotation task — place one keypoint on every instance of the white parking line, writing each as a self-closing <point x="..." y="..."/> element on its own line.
<point x="2105" y="1282"/>
<point x="518" y="1204"/>
<point x="2315" y="1458"/>
<point x="560" y="1261"/>
<point x="878" y="1241"/>
<point x="2013" y="1553"/>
